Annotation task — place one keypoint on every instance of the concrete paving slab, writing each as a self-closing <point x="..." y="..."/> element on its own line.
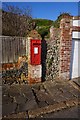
<point x="29" y="95"/>
<point x="42" y="96"/>
<point x="59" y="99"/>
<point x="8" y="108"/>
<point x="42" y="104"/>
<point x="20" y="99"/>
<point x="24" y="88"/>
<point x="0" y="110"/>
<point x="13" y="91"/>
<point x="6" y="99"/>
<point x="68" y="95"/>
<point x="27" y="106"/>
<point x="0" y="80"/>
<point x="53" y="90"/>
<point x="0" y="88"/>
<point x="0" y="99"/>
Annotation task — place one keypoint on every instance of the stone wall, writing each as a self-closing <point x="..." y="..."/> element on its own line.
<point x="15" y="73"/>
<point x="52" y="58"/>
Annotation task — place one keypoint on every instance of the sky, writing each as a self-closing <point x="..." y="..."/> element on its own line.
<point x="47" y="10"/>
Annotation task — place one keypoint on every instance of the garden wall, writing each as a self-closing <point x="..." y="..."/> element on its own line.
<point x="52" y="58"/>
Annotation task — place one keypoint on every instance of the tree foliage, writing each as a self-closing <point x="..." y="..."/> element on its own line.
<point x="16" y="21"/>
<point x="56" y="23"/>
<point x="43" y="32"/>
<point x="43" y="22"/>
<point x="43" y="26"/>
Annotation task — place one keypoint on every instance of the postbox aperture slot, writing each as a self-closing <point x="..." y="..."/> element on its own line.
<point x="36" y="43"/>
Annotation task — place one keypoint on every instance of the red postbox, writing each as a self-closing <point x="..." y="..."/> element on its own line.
<point x="35" y="52"/>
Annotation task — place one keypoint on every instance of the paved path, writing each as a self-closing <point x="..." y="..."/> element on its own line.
<point x="30" y="101"/>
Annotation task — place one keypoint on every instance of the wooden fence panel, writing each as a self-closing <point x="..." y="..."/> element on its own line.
<point x="12" y="48"/>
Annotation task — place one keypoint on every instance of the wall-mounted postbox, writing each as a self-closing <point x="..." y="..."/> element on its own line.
<point x="35" y="52"/>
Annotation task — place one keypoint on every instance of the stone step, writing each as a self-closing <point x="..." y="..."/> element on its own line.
<point x="53" y="108"/>
<point x="34" y="113"/>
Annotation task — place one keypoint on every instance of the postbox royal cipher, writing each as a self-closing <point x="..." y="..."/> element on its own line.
<point x="35" y="52"/>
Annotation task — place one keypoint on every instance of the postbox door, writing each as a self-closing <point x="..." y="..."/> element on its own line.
<point x="35" y="52"/>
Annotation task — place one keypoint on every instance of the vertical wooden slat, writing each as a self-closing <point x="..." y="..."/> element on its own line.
<point x="20" y="47"/>
<point x="26" y="44"/>
<point x="2" y="50"/>
<point x="15" y="50"/>
<point x="9" y="50"/>
<point x="5" y="49"/>
<point x="12" y="48"/>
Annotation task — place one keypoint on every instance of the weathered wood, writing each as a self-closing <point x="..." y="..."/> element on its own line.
<point x="12" y="48"/>
<point x="0" y="50"/>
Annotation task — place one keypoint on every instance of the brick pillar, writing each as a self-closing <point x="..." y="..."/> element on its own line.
<point x="65" y="47"/>
<point x="34" y="71"/>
